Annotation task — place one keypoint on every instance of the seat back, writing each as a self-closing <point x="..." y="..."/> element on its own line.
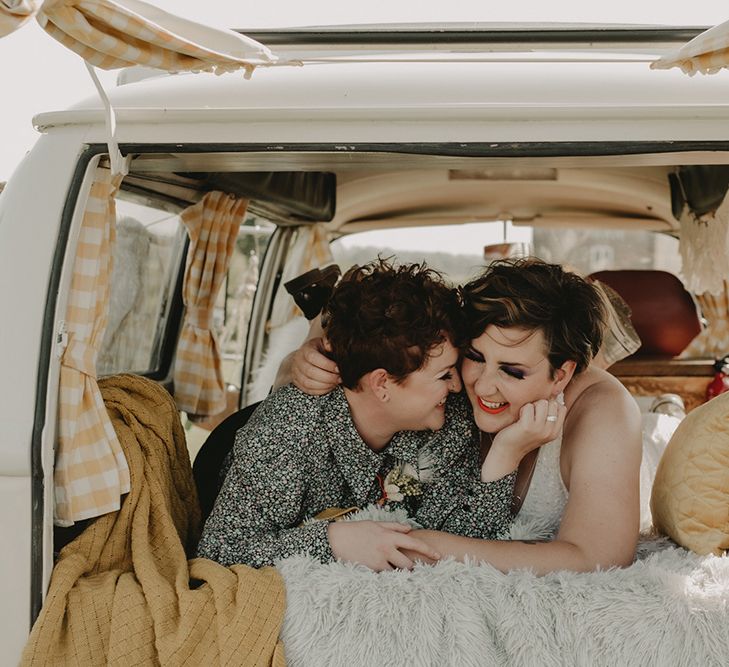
<point x="206" y="470"/>
<point x="664" y="314"/>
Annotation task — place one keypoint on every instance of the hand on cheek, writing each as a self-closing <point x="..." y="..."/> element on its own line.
<point x="539" y="422"/>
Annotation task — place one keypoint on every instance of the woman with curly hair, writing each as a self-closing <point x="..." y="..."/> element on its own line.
<point x="302" y="460"/>
<point x="570" y="429"/>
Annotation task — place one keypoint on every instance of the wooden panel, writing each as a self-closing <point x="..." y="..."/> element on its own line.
<point x="653" y="367"/>
<point x="691" y="389"/>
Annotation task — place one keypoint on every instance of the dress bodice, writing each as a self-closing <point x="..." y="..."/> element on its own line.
<point x="541" y="512"/>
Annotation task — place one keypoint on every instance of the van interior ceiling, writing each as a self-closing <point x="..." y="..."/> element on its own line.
<point x="371" y="190"/>
<point x="294" y="197"/>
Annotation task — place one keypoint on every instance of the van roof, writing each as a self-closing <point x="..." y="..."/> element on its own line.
<point x="427" y="128"/>
<point x="519" y="87"/>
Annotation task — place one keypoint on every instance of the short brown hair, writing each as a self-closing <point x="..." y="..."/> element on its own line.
<point x="391" y="317"/>
<point x="532" y="294"/>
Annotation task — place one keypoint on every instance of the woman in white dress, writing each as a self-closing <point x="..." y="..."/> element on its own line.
<point x="570" y="428"/>
<point x="533" y="330"/>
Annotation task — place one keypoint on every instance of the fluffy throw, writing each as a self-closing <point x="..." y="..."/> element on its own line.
<point x="124" y="593"/>
<point x="671" y="607"/>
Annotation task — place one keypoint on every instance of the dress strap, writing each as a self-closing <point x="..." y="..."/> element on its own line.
<point x="524" y="475"/>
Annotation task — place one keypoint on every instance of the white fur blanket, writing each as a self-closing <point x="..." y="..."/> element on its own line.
<point x="671" y="607"/>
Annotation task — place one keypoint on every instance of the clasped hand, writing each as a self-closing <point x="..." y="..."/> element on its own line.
<point x="378" y="545"/>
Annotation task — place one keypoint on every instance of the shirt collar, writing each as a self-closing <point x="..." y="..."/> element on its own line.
<point x="405" y="446"/>
<point x="357" y="463"/>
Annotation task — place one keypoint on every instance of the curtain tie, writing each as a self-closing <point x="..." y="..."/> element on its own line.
<point x="200" y="318"/>
<point x="80" y="356"/>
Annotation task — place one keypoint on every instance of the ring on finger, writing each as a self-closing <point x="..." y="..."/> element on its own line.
<point x="551" y="418"/>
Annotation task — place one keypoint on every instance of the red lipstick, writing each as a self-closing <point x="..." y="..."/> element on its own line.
<point x="491" y="411"/>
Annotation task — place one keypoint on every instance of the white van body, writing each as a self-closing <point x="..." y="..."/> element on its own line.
<point x="393" y="124"/>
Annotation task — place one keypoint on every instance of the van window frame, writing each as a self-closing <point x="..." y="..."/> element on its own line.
<point x="447" y="149"/>
<point x="39" y="421"/>
<point x="510" y="149"/>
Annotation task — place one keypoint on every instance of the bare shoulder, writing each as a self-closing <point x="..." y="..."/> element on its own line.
<point x="601" y="410"/>
<point x="597" y="392"/>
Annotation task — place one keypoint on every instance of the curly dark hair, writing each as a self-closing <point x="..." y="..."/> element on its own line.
<point x="533" y="294"/>
<point x="391" y="317"/>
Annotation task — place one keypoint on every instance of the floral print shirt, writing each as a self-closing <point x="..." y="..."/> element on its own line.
<point x="299" y="455"/>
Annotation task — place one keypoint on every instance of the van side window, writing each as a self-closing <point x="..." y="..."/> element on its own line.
<point x="233" y="306"/>
<point x="148" y="257"/>
<point x="150" y="241"/>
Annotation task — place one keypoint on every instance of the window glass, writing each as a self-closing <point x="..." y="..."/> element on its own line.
<point x="149" y="243"/>
<point x="233" y="307"/>
<point x="589" y="250"/>
<point x="459" y="251"/>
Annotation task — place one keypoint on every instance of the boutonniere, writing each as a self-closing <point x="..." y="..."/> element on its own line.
<point x="404" y="481"/>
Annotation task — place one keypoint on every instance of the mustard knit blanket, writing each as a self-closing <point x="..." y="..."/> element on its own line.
<point x="124" y="593"/>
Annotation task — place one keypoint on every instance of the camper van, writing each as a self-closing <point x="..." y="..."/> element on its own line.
<point x="452" y="145"/>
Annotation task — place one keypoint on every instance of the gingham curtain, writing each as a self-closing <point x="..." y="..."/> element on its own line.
<point x="91" y="472"/>
<point x="14" y="13"/>
<point x="212" y="225"/>
<point x="706" y="53"/>
<point x="119" y="33"/>
<point x="713" y="341"/>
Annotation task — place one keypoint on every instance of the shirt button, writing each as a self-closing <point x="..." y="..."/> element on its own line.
<point x="470" y="492"/>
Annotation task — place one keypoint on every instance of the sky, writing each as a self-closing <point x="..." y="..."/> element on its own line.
<point x="38" y="74"/>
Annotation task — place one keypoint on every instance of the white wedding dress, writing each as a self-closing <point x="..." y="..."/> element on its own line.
<point x="541" y="512"/>
<point x="542" y="509"/>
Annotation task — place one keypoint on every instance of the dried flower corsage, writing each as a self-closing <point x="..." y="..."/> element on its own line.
<point x="404" y="481"/>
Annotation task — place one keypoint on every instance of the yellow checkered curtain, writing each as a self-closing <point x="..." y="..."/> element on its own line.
<point x="212" y="225"/>
<point x="706" y="53"/>
<point x="91" y="472"/>
<point x="14" y="13"/>
<point x="119" y="33"/>
<point x="713" y="341"/>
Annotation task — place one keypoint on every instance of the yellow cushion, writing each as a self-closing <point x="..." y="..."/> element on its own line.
<point x="690" y="498"/>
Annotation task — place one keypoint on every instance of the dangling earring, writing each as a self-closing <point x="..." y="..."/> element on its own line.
<point x="560" y="398"/>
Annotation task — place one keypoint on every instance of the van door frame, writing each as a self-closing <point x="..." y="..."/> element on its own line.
<point x="533" y="150"/>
